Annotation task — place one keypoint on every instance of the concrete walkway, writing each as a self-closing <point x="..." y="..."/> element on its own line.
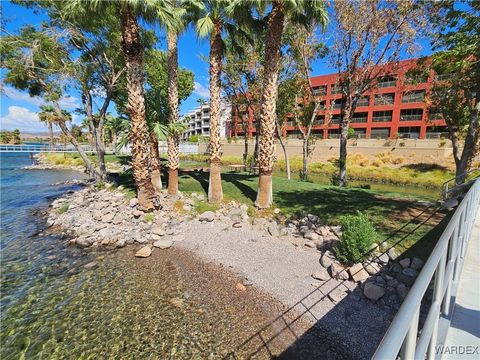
<point x="463" y="336"/>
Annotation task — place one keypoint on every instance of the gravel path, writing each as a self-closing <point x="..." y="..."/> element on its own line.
<point x="352" y="325"/>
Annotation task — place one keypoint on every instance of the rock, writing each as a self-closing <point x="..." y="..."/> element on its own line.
<point x="177" y="302"/>
<point x="163" y="243"/>
<point x="310" y="244"/>
<point x="118" y="219"/>
<point x="417" y="263"/>
<point x="372" y="291"/>
<point x="338" y="272"/>
<point x="273" y="229"/>
<point x="90" y="265"/>
<point x="410" y="272"/>
<point x="392" y="254"/>
<point x="240" y="287"/>
<point x="402" y="291"/>
<point x="97" y="215"/>
<point x="107" y="218"/>
<point x="144" y="252"/>
<point x="372" y="268"/>
<point x="177" y="238"/>
<point x="84" y="242"/>
<point x="405" y="263"/>
<point x="133" y="202"/>
<point x="120" y="243"/>
<point x="382" y="259"/>
<point x="207" y="216"/>
<point x="358" y="273"/>
<point x="311" y="235"/>
<point x="337" y="230"/>
<point x="323" y="231"/>
<point x="237" y="225"/>
<point x="137" y="213"/>
<point x="327" y="259"/>
<point x="321" y="274"/>
<point x="155" y="237"/>
<point x="336" y="295"/>
<point x="312" y="218"/>
<point x="276" y="211"/>
<point x="158" y="230"/>
<point x="396" y="268"/>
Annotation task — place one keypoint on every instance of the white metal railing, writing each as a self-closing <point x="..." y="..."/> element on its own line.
<point x="445" y="264"/>
<point x="35" y="148"/>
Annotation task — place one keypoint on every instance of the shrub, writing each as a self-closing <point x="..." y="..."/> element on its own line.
<point x="64" y="208"/>
<point x="358" y="235"/>
<point x="148" y="217"/>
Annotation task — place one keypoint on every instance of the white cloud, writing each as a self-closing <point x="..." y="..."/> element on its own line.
<point x="67" y="102"/>
<point x="21" y="118"/>
<point x="201" y="90"/>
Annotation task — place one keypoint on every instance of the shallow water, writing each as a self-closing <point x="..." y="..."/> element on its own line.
<point x="54" y="305"/>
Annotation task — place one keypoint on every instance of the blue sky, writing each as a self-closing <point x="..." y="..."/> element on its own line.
<point x="18" y="109"/>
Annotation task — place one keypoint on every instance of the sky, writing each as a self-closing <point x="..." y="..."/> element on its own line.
<point x="19" y="110"/>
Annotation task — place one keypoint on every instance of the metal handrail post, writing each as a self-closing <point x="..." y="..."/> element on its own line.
<point x="437" y="299"/>
<point x="409" y="344"/>
<point x="452" y="259"/>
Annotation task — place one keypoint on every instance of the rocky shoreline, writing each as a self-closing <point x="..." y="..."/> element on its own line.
<point x="298" y="251"/>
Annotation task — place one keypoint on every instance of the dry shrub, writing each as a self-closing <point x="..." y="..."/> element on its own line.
<point x="398" y="160"/>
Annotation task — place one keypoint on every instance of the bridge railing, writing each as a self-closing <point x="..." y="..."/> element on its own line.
<point x="43" y="148"/>
<point x="445" y="264"/>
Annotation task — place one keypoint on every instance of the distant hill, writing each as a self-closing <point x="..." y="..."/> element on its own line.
<point x="33" y="135"/>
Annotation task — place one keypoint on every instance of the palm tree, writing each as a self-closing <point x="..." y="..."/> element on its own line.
<point x="47" y="116"/>
<point x="173" y="140"/>
<point x="307" y="13"/>
<point x="212" y="18"/>
<point x="133" y="51"/>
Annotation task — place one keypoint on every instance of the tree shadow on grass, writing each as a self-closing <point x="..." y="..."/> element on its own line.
<point x="424" y="167"/>
<point x="200" y="176"/>
<point x="236" y="180"/>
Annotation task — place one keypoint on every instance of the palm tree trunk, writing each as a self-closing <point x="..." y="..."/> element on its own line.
<point x="155" y="166"/>
<point x="133" y="53"/>
<point x="215" y="191"/>
<point x="173" y="140"/>
<point x="284" y="148"/>
<point x="268" y="108"/>
<point x="50" y="131"/>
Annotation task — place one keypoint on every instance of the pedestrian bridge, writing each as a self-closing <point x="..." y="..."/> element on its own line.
<point x="38" y="148"/>
<point x="451" y="329"/>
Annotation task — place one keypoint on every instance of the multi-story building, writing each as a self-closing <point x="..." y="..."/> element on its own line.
<point x="395" y="107"/>
<point x="198" y="120"/>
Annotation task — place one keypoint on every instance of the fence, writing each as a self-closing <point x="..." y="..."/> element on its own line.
<point x="445" y="264"/>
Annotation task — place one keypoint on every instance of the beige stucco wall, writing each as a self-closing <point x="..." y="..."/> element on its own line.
<point x="417" y="150"/>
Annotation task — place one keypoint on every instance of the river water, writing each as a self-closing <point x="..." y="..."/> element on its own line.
<point x="63" y="302"/>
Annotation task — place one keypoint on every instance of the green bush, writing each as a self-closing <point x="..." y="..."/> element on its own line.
<point x="358" y="236"/>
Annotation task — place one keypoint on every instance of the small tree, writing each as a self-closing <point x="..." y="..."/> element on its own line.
<point x="456" y="34"/>
<point x="368" y="35"/>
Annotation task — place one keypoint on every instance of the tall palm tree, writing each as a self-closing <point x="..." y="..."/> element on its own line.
<point x="133" y="50"/>
<point x="307" y="13"/>
<point x="47" y="116"/>
<point x="212" y="18"/>
<point x="173" y="140"/>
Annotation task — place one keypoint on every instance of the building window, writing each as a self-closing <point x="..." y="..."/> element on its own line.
<point x="320" y="119"/>
<point x="445" y="76"/>
<point x="382" y="116"/>
<point x="380" y="133"/>
<point x="434" y="114"/>
<point x="360" y="117"/>
<point x="320" y="90"/>
<point x="411" y="114"/>
<point x="409" y="132"/>
<point x="338" y="103"/>
<point x="387" y="81"/>
<point x="336" y="119"/>
<point x="384" y="99"/>
<point x="413" y="96"/>
<point x="363" y="101"/>
<point x="336" y="89"/>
